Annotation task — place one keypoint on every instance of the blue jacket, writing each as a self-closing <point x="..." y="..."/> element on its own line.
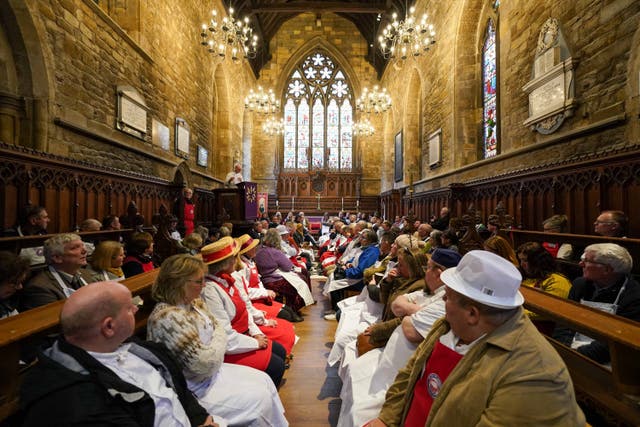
<point x="368" y="257"/>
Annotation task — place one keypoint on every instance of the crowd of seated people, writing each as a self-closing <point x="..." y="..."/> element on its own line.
<point x="380" y="334"/>
<point x="417" y="294"/>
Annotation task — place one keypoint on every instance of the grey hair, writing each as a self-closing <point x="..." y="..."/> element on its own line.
<point x="615" y="256"/>
<point x="272" y="239"/>
<point x="55" y="245"/>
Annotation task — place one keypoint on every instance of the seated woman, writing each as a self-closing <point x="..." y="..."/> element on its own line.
<point x="139" y="255"/>
<point x="13" y="272"/>
<point x="557" y="224"/>
<point x="281" y="330"/>
<point x="499" y="246"/>
<point x="261" y="297"/>
<point x="107" y="260"/>
<point x="353" y="271"/>
<point x="246" y="344"/>
<point x="182" y="322"/>
<point x="277" y="273"/>
<point x="405" y="276"/>
<point x="538" y="270"/>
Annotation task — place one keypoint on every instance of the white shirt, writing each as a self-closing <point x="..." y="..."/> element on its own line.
<point x="134" y="370"/>
<point x="234" y="178"/>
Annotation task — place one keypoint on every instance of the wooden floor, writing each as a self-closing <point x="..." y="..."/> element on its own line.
<point x="311" y="390"/>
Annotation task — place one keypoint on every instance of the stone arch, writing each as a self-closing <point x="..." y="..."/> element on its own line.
<point x="467" y="82"/>
<point x="26" y="85"/>
<point x="388" y="151"/>
<point x="304" y="50"/>
<point x="182" y="175"/>
<point x="412" y="129"/>
<point x="221" y="144"/>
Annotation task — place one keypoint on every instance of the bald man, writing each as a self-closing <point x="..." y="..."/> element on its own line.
<point x="90" y="376"/>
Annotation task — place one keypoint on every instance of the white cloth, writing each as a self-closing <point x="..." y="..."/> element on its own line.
<point x="243" y="396"/>
<point x="334" y="285"/>
<point x="233" y="178"/>
<point x="356" y="314"/>
<point x="288" y="249"/>
<point x="222" y="308"/>
<point x="134" y="370"/>
<point x="301" y="286"/>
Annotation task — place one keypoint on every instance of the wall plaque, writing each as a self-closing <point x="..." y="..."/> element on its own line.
<point x="551" y="90"/>
<point x="160" y="135"/>
<point x="182" y="138"/>
<point x="435" y="148"/>
<point x="132" y="112"/>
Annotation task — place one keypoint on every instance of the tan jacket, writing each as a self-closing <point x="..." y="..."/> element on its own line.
<point x="511" y="377"/>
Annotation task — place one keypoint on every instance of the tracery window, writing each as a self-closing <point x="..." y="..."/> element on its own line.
<point x="318" y="116"/>
<point x="490" y="92"/>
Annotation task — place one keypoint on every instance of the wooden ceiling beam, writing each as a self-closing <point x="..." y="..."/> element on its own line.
<point x="319" y="7"/>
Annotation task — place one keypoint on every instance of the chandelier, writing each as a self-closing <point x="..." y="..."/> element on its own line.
<point x="376" y="101"/>
<point x="261" y="102"/>
<point x="273" y="126"/>
<point x="363" y="128"/>
<point x="230" y="37"/>
<point x="406" y="38"/>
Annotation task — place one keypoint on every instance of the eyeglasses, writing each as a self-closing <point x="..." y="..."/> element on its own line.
<point x="588" y="261"/>
<point x="604" y="222"/>
<point x="196" y="281"/>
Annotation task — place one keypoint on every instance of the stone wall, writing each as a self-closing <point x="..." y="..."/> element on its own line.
<point x="292" y="42"/>
<point x="86" y="55"/>
<point x="603" y="36"/>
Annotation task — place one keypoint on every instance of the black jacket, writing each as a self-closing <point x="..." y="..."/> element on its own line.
<point x="86" y="393"/>
<point x="628" y="307"/>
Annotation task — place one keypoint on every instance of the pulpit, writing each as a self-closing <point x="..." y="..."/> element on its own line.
<point x="237" y="205"/>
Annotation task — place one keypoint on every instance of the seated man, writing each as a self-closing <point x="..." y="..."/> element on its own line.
<point x="35" y="220"/>
<point x="605" y="285"/>
<point x="91" y="377"/>
<point x="611" y="224"/>
<point x="65" y="255"/>
<point x="484" y="363"/>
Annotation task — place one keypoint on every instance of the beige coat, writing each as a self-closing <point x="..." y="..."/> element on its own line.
<point x="511" y="377"/>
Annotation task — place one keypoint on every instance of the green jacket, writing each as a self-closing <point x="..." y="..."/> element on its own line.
<point x="381" y="331"/>
<point x="511" y="377"/>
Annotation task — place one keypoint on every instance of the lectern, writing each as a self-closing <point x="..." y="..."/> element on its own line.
<point x="237" y="205"/>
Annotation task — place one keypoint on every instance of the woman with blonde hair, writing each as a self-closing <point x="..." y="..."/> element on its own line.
<point x="500" y="246"/>
<point x="183" y="323"/>
<point x="557" y="224"/>
<point x="106" y="261"/>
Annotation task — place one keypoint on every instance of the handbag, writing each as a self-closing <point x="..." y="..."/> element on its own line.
<point x="339" y="273"/>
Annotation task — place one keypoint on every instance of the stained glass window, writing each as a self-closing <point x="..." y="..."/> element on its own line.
<point x="318" y="116"/>
<point x="489" y="93"/>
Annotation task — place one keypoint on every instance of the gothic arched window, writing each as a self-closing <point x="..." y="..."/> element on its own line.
<point x="490" y="93"/>
<point x="318" y="116"/>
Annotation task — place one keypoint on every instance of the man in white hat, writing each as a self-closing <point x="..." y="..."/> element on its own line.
<point x="484" y="363"/>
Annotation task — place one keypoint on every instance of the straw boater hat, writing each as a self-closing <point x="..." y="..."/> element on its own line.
<point x="219" y="250"/>
<point x="245" y="243"/>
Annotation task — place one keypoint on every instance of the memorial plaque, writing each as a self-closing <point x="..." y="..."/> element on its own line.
<point x="547" y="97"/>
<point x="132" y="112"/>
<point x="160" y="135"/>
<point x="182" y="138"/>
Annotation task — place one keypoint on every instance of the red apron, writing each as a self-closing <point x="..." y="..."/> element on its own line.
<point x="439" y="366"/>
<point x="283" y="332"/>
<point x="189" y="217"/>
<point x="552" y="248"/>
<point x="258" y="359"/>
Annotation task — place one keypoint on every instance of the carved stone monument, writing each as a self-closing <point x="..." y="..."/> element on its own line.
<point x="551" y="89"/>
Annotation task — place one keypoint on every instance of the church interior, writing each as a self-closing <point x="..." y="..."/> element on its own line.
<point x="516" y="109"/>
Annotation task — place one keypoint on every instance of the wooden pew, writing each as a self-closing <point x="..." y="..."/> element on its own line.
<point x="18" y="331"/>
<point x="16" y="244"/>
<point x="614" y="393"/>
